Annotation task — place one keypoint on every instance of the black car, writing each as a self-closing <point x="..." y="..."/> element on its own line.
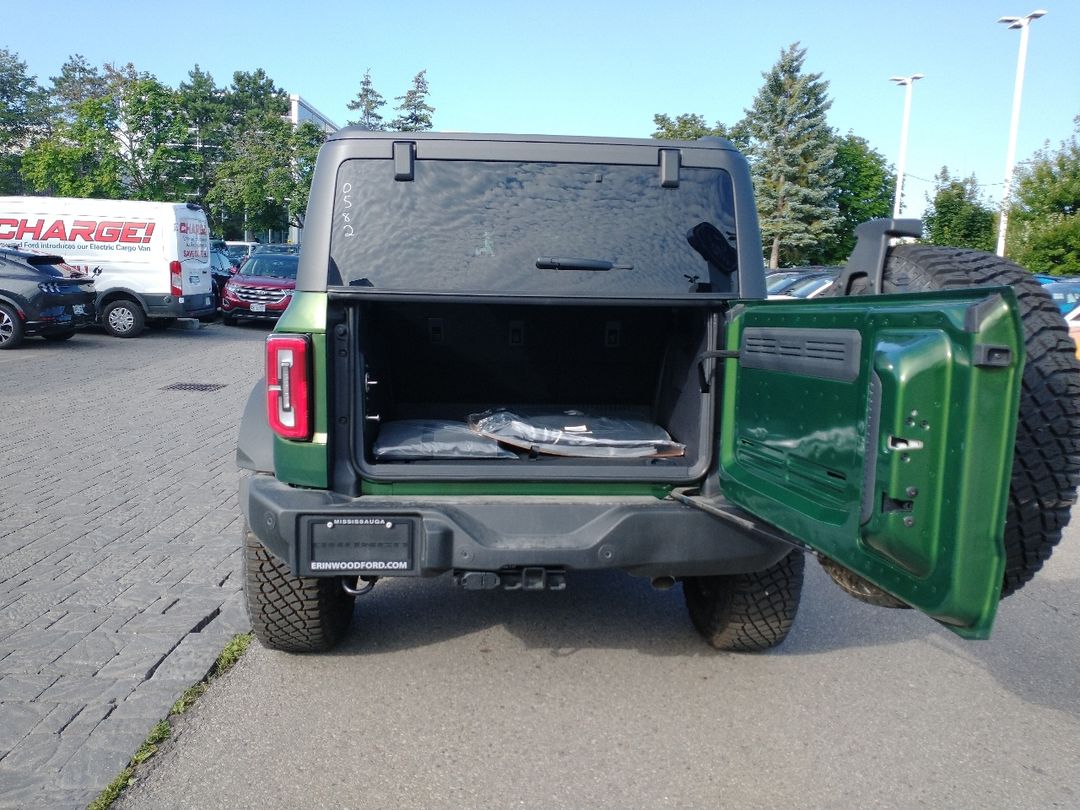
<point x="37" y="298"/>
<point x="221" y="270"/>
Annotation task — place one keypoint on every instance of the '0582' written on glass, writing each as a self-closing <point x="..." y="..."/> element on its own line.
<point x="346" y="213"/>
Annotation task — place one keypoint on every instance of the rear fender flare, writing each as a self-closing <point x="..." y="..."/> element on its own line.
<point x="255" y="444"/>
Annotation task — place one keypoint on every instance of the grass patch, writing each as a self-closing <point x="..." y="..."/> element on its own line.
<point x="163" y="729"/>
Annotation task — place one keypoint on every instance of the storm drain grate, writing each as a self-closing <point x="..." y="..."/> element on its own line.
<point x="193" y="387"/>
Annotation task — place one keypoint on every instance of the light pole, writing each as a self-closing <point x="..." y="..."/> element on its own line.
<point x="1023" y="24"/>
<point x="907" y="82"/>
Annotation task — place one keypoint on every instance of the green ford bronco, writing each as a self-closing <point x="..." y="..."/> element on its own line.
<point x="511" y="358"/>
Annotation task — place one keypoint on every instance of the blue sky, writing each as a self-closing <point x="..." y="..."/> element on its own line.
<point x="604" y="68"/>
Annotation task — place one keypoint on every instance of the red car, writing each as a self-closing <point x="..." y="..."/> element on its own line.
<point x="262" y="288"/>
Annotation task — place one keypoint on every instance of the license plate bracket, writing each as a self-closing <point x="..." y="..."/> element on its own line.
<point x="361" y="544"/>
<point x="258" y="307"/>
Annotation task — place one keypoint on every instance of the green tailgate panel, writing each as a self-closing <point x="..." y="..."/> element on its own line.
<point x="879" y="430"/>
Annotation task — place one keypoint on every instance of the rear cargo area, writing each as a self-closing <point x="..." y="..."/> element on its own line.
<point x="625" y="387"/>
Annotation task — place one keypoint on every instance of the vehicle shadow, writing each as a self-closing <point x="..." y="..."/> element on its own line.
<point x="602" y="610"/>
<point x="609" y="610"/>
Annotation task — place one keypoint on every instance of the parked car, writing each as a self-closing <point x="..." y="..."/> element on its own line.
<point x="278" y="248"/>
<point x="809" y="280"/>
<point x="221" y="270"/>
<point x="811" y="285"/>
<point x="37" y="298"/>
<point x="261" y="289"/>
<point x="239" y="251"/>
<point x="1066" y="294"/>
<point x="1072" y="320"/>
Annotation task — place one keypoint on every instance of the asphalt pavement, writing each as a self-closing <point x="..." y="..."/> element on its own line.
<point x="603" y="696"/>
<point x="119" y="585"/>
<point x="119" y="533"/>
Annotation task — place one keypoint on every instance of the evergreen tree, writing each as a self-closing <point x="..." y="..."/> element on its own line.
<point x="368" y="101"/>
<point x="205" y="112"/>
<point x="791" y="152"/>
<point x="1044" y="223"/>
<point x="957" y="216"/>
<point x="77" y="82"/>
<point x="414" y="113"/>
<point x="254" y="94"/>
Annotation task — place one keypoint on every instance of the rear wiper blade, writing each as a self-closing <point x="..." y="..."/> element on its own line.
<point x="566" y="263"/>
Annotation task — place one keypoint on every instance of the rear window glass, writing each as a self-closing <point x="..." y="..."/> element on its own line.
<point x="476" y="226"/>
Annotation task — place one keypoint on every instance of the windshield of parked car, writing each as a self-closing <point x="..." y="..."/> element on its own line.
<point x="271" y="265"/>
<point x="533" y="227"/>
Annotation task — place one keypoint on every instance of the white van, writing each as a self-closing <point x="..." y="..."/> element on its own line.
<point x="151" y="260"/>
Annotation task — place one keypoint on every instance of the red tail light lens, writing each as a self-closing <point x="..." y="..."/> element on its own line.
<point x="288" y="386"/>
<point x="176" y="279"/>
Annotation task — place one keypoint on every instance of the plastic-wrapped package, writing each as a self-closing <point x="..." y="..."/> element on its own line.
<point x="574" y="433"/>
<point x="414" y="439"/>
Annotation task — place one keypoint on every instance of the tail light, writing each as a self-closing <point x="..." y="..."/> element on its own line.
<point x="176" y="279"/>
<point x="288" y="386"/>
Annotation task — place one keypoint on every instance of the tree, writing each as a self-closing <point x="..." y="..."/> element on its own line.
<point x="148" y="132"/>
<point x="77" y="82"/>
<point x="1044" y="226"/>
<point x="791" y="152"/>
<point x="691" y="126"/>
<point x="205" y="111"/>
<point x="864" y="190"/>
<point x="79" y="158"/>
<point x="268" y="173"/>
<point x="22" y="116"/>
<point x="368" y="101"/>
<point x="255" y="94"/>
<point x="957" y="216"/>
<point x="414" y="113"/>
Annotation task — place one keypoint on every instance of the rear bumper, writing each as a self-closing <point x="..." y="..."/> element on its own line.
<point x="62" y="319"/>
<point x="321" y="533"/>
<point x="192" y="306"/>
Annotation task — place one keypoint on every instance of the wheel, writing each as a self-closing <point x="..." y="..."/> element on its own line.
<point x="1046" y="457"/>
<point x="56" y="337"/>
<point x="11" y="328"/>
<point x="228" y="320"/>
<point x="747" y="612"/>
<point x="123" y="318"/>
<point x="288" y="612"/>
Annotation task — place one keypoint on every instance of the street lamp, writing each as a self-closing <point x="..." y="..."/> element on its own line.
<point x="906" y="82"/>
<point x="1010" y="158"/>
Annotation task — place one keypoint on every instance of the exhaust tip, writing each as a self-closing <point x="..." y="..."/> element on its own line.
<point x="663" y="583"/>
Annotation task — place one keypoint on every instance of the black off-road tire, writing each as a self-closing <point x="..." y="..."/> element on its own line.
<point x="123" y="318"/>
<point x="747" y="612"/>
<point x="289" y="612"/>
<point x="11" y="328"/>
<point x="1046" y="458"/>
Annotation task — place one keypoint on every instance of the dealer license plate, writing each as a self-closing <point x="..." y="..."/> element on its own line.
<point x="258" y="307"/>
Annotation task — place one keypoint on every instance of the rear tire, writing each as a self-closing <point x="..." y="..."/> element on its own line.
<point x="123" y="319"/>
<point x="289" y="612"/>
<point x="11" y="328"/>
<point x="1046" y="458"/>
<point x="747" y="612"/>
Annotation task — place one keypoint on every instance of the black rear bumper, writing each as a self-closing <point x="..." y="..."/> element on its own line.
<point x="321" y="533"/>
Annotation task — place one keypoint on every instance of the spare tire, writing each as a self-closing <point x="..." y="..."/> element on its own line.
<point x="1046" y="458"/>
